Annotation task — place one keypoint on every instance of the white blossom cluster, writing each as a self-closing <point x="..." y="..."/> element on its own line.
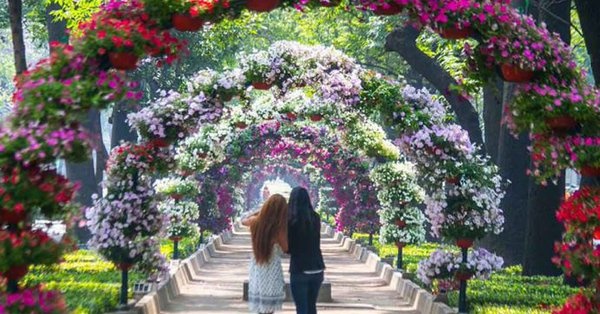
<point x="443" y="264"/>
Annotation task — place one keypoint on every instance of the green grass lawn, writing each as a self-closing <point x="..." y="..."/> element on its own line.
<point x="506" y="292"/>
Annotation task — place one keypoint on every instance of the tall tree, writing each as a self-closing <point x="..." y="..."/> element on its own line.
<point x="590" y="26"/>
<point x="15" y="10"/>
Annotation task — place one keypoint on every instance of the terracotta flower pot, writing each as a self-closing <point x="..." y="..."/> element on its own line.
<point x="160" y="143"/>
<point x="456" y="33"/>
<point x="316" y="117"/>
<point x="453" y="180"/>
<point x="262" y="5"/>
<point x="176" y="196"/>
<point x="590" y="171"/>
<point x="561" y="124"/>
<point x="124" y="266"/>
<point x="391" y="9"/>
<point x="464" y="243"/>
<point x="400" y="223"/>
<point x="12" y="217"/>
<point x="186" y="23"/>
<point x="515" y="74"/>
<point x="460" y="275"/>
<point x="123" y="60"/>
<point x="16" y="272"/>
<point x="261" y="85"/>
<point x="226" y="97"/>
<point x="400" y="244"/>
<point x="241" y="125"/>
<point x="292" y="116"/>
<point x="175" y="239"/>
<point x="201" y="155"/>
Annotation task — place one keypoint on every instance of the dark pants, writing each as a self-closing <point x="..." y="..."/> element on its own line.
<point x="305" y="290"/>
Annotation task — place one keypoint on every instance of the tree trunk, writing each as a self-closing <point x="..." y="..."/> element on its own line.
<point x="120" y="129"/>
<point x="57" y="30"/>
<point x="590" y="26"/>
<point x="492" y="116"/>
<point x="402" y="41"/>
<point x="15" y="9"/>
<point x="543" y="230"/>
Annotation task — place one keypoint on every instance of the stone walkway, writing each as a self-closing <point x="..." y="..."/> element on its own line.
<point x="217" y="286"/>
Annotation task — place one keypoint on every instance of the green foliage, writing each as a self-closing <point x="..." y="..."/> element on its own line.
<point x="187" y="246"/>
<point x="90" y="285"/>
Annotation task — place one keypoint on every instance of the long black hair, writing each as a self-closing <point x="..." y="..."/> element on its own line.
<point x="300" y="210"/>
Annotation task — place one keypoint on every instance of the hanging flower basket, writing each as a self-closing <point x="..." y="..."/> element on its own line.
<point x="12" y="217"/>
<point x="124" y="266"/>
<point x="123" y="60"/>
<point x="262" y="5"/>
<point x="464" y="243"/>
<point x="590" y="171"/>
<point x="291" y="116"/>
<point x="316" y="117"/>
<point x="186" y="23"/>
<point x="561" y="124"/>
<point x="515" y="74"/>
<point x="159" y="143"/>
<point x="175" y="239"/>
<point x="463" y="275"/>
<point x="453" y="180"/>
<point x="261" y="85"/>
<point x="16" y="272"/>
<point x="400" y="244"/>
<point x="390" y="9"/>
<point x="400" y="223"/>
<point x="241" y="125"/>
<point x="456" y="33"/>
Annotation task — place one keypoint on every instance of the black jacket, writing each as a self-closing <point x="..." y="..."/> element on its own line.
<point x="305" y="247"/>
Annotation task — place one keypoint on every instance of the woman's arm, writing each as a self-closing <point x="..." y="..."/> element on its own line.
<point x="249" y="220"/>
<point x="282" y="240"/>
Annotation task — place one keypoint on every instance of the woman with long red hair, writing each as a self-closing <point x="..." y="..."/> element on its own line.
<point x="268" y="229"/>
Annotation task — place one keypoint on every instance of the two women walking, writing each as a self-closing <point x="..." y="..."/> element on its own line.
<point x="292" y="228"/>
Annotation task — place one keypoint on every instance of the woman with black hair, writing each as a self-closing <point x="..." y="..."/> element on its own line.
<point x="304" y="243"/>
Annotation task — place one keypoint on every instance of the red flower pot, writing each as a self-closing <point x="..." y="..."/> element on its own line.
<point x="292" y="116"/>
<point x="316" y="117"/>
<point x="590" y="171"/>
<point x="391" y="9"/>
<point x="16" y="272"/>
<point x="400" y="244"/>
<point x="186" y="23"/>
<point x="330" y="3"/>
<point x="464" y="243"/>
<point x="12" y="217"/>
<point x="175" y="239"/>
<point x="262" y="5"/>
<point x="514" y="74"/>
<point x="241" y="125"/>
<point x="561" y="124"/>
<point x="453" y="180"/>
<point x="460" y="276"/>
<point x="159" y="143"/>
<point x="400" y="223"/>
<point x="456" y="33"/>
<point x="201" y="155"/>
<point x="261" y="85"/>
<point x="176" y="196"/>
<point x="123" y="60"/>
<point x="124" y="266"/>
<point x="226" y="97"/>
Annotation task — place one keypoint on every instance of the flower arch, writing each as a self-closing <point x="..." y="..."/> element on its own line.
<point x="50" y="97"/>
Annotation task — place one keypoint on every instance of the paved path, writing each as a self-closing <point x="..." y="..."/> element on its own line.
<point x="217" y="286"/>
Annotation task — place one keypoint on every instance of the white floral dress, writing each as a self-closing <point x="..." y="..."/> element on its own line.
<point x="266" y="285"/>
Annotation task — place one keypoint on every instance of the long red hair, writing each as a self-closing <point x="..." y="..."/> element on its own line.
<point x="270" y="224"/>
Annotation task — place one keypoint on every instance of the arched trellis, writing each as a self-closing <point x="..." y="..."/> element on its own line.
<point x="80" y="73"/>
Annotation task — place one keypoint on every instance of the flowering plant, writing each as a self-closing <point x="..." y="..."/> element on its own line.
<point x="258" y="68"/>
<point x="180" y="216"/>
<point x="578" y="252"/>
<point x="370" y="138"/>
<point x="162" y="10"/>
<point x="582" y="302"/>
<point x="199" y="152"/>
<point x="443" y="264"/>
<point x="27" y="247"/>
<point x="130" y="160"/>
<point x="177" y="186"/>
<point x="33" y="300"/>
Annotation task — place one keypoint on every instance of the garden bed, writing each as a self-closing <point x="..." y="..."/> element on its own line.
<point x="506" y="292"/>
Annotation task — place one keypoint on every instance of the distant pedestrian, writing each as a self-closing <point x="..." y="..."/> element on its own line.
<point x="266" y="193"/>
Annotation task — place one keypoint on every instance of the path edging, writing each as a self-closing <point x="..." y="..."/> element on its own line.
<point x="417" y="297"/>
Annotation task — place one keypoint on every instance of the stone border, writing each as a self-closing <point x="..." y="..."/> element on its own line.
<point x="154" y="302"/>
<point x="420" y="299"/>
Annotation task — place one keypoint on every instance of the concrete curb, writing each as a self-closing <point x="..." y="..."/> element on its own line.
<point x="418" y="298"/>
